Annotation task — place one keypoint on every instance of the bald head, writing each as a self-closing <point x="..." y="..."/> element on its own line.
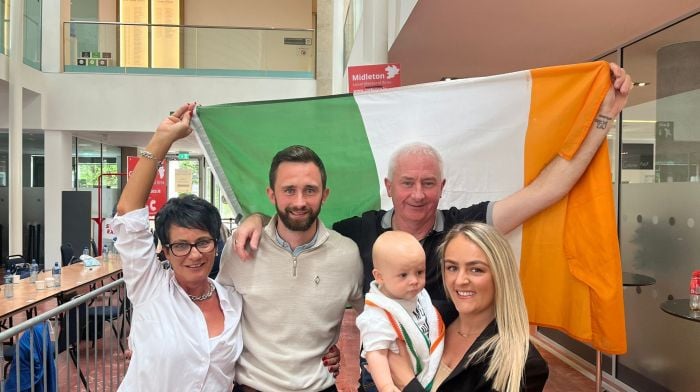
<point x="399" y="265"/>
<point x="395" y="247"/>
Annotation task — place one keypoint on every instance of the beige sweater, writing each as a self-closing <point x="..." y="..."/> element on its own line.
<point x="292" y="308"/>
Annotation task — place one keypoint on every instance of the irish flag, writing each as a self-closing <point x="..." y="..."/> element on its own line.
<point x="495" y="134"/>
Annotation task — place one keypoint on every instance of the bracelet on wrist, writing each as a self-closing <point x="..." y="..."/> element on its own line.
<point x="149" y="155"/>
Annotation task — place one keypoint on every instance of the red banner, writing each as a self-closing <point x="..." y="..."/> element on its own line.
<point x="374" y="77"/>
<point x="159" y="191"/>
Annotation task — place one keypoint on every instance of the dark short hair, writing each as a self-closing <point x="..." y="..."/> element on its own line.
<point x="190" y="212"/>
<point x="301" y="154"/>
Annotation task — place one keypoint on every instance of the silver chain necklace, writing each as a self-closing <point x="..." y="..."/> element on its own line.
<point x="204" y="296"/>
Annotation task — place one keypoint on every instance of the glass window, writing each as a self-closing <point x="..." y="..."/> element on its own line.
<point x="32" y="33"/>
<point x="659" y="193"/>
<point x="89" y="163"/>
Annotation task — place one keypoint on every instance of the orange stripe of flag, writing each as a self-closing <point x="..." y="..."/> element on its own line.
<point x="570" y="263"/>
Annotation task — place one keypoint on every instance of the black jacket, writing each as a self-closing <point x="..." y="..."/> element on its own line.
<point x="471" y="377"/>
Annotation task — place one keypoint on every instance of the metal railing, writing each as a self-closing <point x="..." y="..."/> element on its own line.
<point x="109" y="47"/>
<point x="79" y="345"/>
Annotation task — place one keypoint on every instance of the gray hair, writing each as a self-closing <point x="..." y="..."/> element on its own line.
<point x="415" y="148"/>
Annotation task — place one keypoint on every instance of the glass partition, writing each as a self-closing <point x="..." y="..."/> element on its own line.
<point x="219" y="51"/>
<point x="659" y="193"/>
<point x="32" y="33"/>
<point x="4" y="26"/>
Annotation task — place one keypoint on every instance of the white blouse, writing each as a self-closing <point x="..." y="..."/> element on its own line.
<point x="169" y="338"/>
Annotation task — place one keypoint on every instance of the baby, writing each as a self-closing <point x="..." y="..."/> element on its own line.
<point x="397" y="307"/>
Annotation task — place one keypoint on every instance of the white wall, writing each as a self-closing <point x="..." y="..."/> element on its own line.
<point x="114" y="103"/>
<point x="3" y="67"/>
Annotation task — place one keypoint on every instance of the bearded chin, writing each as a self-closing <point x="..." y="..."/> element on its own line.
<point x="297" y="225"/>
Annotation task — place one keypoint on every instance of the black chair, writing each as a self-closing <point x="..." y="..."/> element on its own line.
<point x="100" y="314"/>
<point x="67" y="254"/>
<point x="17" y="265"/>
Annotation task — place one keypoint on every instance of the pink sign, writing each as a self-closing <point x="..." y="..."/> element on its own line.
<point x="159" y="191"/>
<point x="373" y="77"/>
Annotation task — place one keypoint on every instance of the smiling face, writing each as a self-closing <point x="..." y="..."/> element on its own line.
<point x="191" y="271"/>
<point x="298" y="194"/>
<point x="468" y="279"/>
<point x="415" y="188"/>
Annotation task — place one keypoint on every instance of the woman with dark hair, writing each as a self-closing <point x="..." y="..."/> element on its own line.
<point x="487" y="348"/>
<point x="185" y="332"/>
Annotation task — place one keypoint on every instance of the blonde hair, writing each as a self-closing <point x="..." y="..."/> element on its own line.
<point x="509" y="347"/>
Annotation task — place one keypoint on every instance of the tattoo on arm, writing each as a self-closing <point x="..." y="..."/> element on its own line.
<point x="601" y="122"/>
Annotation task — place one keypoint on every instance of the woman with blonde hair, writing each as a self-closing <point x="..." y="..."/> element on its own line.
<point x="487" y="347"/>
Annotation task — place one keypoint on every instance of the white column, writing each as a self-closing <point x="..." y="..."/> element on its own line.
<point x="57" y="178"/>
<point x="52" y="18"/>
<point x="374" y="29"/>
<point x="338" y="45"/>
<point x="14" y="181"/>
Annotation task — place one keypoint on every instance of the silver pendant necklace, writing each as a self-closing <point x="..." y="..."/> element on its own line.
<point x="204" y="296"/>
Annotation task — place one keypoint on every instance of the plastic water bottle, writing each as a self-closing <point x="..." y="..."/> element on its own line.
<point x="105" y="253"/>
<point x="56" y="273"/>
<point x="86" y="251"/>
<point x="695" y="292"/>
<point x="9" y="290"/>
<point x="33" y="271"/>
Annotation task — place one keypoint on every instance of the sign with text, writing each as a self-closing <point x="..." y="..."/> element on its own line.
<point x="373" y="77"/>
<point x="159" y="190"/>
<point x="183" y="181"/>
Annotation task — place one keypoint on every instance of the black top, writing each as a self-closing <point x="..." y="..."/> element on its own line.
<point x="470" y="377"/>
<point x="364" y="231"/>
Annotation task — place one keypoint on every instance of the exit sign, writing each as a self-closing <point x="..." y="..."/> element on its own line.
<point x="183" y="155"/>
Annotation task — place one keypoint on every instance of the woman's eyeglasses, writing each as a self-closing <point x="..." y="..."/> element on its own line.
<point x="184" y="248"/>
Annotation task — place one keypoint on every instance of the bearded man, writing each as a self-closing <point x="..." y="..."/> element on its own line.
<point x="294" y="294"/>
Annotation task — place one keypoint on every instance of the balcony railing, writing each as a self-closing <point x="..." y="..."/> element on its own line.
<point x="105" y="47"/>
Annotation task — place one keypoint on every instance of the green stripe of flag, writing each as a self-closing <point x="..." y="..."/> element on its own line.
<point x="240" y="140"/>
